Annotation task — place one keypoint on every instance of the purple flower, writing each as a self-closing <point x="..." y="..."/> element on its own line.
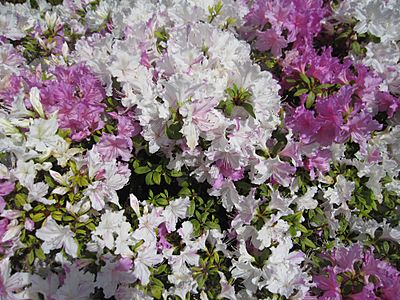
<point x="6" y="188"/>
<point x="113" y="146"/>
<point x="77" y="95"/>
<point x="328" y="284"/>
<point x="162" y="234"/>
<point x="318" y="163"/>
<point x="270" y="40"/>
<point x="303" y="122"/>
<point x="367" y="293"/>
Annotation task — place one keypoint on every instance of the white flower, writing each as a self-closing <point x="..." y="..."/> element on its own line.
<point x="25" y="172"/>
<point x="307" y="201"/>
<point x="109" y="225"/>
<point x="113" y="274"/>
<point x="56" y="236"/>
<point x="37" y="192"/>
<point x="77" y="285"/>
<point x="124" y="240"/>
<point x="11" y="286"/>
<point x="42" y="135"/>
<point x="46" y="286"/>
<point x="34" y="98"/>
<point x="175" y="210"/>
<point x="147" y="257"/>
<point x="148" y="222"/>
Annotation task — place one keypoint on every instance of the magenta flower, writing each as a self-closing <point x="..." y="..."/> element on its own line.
<point x="114" y="146"/>
<point x="77" y="95"/>
<point x="318" y="163"/>
<point x="270" y="40"/>
<point x="328" y="284"/>
<point x="303" y="122"/>
<point x="5" y="189"/>
<point x="162" y="234"/>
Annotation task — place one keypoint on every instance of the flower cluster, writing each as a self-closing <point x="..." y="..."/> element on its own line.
<point x="208" y="149"/>
<point x="357" y="274"/>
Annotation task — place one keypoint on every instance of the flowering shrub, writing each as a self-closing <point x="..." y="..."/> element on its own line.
<point x="199" y="149"/>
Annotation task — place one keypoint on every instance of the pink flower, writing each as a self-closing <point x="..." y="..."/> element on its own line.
<point x="77" y="95"/>
<point x="162" y="234"/>
<point x="303" y="122"/>
<point x="113" y="146"/>
<point x="318" y="163"/>
<point x="328" y="284"/>
<point x="270" y="40"/>
<point x="5" y="189"/>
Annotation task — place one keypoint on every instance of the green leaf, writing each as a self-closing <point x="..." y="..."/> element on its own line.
<point x="175" y="173"/>
<point x="162" y="201"/>
<point x="305" y="78"/>
<point x="167" y="179"/>
<point x="40" y="254"/>
<point x="142" y="170"/>
<point x="68" y="218"/>
<point x="356" y="48"/>
<point x="309" y="243"/>
<point x="249" y="108"/>
<point x="156" y="291"/>
<point x="31" y="257"/>
<point x="196" y="227"/>
<point x="91" y="226"/>
<point x="20" y="200"/>
<point x="149" y="179"/>
<point x="192" y="207"/>
<point x="212" y="225"/>
<point x="310" y="100"/>
<point x="157" y="178"/>
<point x="173" y="131"/>
<point x="302" y="228"/>
<point x="229" y="107"/>
<point x="57" y="215"/>
<point x="300" y="92"/>
<point x="38" y="217"/>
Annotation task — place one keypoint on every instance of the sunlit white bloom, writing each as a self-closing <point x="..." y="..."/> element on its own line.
<point x="175" y="210"/>
<point x="42" y="135"/>
<point x="77" y="285"/>
<point x="11" y="286"/>
<point x="273" y="230"/>
<point x="25" y="172"/>
<point x="56" y="236"/>
<point x="34" y="98"/>
<point x="109" y="225"/>
<point x="37" y="192"/>
<point x="46" y="286"/>
<point x="148" y="223"/>
<point x="114" y="274"/>
<point x="147" y="257"/>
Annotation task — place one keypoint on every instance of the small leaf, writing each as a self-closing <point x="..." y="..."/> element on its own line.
<point x="300" y="92"/>
<point x="40" y="254"/>
<point x="149" y="179"/>
<point x="302" y="228"/>
<point x="249" y="108"/>
<point x="212" y="225"/>
<point x="156" y="291"/>
<point x="142" y="170"/>
<point x="305" y="78"/>
<point x="309" y="243"/>
<point x="173" y="131"/>
<point x="175" y="173"/>
<point x="157" y="178"/>
<point x="310" y="100"/>
<point x="31" y="257"/>
<point x="38" y="217"/>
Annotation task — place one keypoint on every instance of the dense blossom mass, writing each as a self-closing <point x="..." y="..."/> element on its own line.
<point x="207" y="149"/>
